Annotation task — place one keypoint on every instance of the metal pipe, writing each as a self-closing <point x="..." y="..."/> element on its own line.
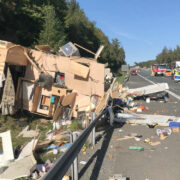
<point x="93" y="131"/>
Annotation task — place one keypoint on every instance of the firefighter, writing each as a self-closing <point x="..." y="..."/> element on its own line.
<point x="176" y="72"/>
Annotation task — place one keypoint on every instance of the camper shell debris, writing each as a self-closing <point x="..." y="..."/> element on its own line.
<point x="50" y="84"/>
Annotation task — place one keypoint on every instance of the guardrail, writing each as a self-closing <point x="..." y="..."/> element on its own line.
<point x="126" y="79"/>
<point x="62" y="164"/>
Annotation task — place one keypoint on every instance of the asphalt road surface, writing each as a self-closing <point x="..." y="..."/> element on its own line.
<point x="174" y="86"/>
<point x="161" y="162"/>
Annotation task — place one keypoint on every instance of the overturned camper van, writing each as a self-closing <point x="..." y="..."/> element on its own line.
<point x="48" y="84"/>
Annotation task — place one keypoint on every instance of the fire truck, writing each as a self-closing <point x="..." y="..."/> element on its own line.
<point x="158" y="69"/>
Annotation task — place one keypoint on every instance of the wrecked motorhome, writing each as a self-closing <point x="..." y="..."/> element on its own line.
<point x="49" y="84"/>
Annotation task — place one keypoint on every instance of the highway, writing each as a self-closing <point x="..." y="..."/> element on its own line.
<point x="173" y="86"/>
<point x="154" y="163"/>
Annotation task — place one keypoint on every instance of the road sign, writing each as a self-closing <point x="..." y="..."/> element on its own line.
<point x="124" y="67"/>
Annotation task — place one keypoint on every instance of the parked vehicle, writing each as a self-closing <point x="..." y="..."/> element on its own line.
<point x="158" y="69"/>
<point x="168" y="72"/>
<point x="133" y="72"/>
<point x="175" y="65"/>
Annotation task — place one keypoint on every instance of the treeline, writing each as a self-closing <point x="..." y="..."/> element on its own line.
<point x="167" y="56"/>
<point x="56" y="22"/>
<point x="146" y="64"/>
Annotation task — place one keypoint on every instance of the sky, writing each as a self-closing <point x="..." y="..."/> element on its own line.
<point x="143" y="27"/>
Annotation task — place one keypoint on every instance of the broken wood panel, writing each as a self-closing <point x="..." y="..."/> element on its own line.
<point x="36" y="98"/>
<point x="155" y="88"/>
<point x="69" y="99"/>
<point x="15" y="56"/>
<point x="46" y="100"/>
<point x="102" y="103"/>
<point x="78" y="69"/>
<point x="59" y="91"/>
<point x="58" y="110"/>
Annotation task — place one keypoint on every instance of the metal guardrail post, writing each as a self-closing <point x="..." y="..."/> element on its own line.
<point x="74" y="166"/>
<point x="64" y="162"/>
<point x="93" y="131"/>
<point x="111" y="115"/>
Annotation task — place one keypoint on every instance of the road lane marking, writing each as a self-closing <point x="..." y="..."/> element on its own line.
<point x="170" y="92"/>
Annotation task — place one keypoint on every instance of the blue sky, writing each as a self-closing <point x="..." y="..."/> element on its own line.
<point x="143" y="27"/>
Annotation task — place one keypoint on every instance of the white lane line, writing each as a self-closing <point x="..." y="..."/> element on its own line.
<point x="170" y="92"/>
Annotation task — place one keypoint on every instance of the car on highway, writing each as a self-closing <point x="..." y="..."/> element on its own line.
<point x="133" y="72"/>
<point x="168" y="72"/>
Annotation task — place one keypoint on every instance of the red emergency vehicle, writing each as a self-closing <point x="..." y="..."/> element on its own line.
<point x="158" y="69"/>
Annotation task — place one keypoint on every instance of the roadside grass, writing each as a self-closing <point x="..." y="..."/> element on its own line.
<point x="42" y="156"/>
<point x="121" y="77"/>
<point x="75" y="126"/>
<point x="18" y="122"/>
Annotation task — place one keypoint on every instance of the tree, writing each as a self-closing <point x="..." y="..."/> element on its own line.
<point x="53" y="22"/>
<point x="117" y="55"/>
<point x="20" y="21"/>
<point x="79" y="29"/>
<point x="52" y="33"/>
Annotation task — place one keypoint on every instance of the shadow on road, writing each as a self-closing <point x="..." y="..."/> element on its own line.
<point x="99" y="155"/>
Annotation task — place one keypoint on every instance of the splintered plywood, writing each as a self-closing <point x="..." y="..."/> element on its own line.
<point x="102" y="103"/>
<point x="82" y="102"/>
<point x="78" y="69"/>
<point x="50" y="62"/>
<point x="31" y="72"/>
<point x="4" y="45"/>
<point x="15" y="56"/>
<point x="94" y="84"/>
<point x="97" y="78"/>
<point x="45" y="48"/>
<point x="69" y="99"/>
<point x="81" y="86"/>
<point x="58" y="91"/>
<point x="3" y="53"/>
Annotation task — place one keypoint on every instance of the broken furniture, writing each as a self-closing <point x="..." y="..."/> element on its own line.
<point x="47" y="79"/>
<point x="40" y="100"/>
<point x="151" y="89"/>
<point x="7" y="154"/>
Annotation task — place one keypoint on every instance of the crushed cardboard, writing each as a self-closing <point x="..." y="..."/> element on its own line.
<point x="19" y="168"/>
<point x="28" y="149"/>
